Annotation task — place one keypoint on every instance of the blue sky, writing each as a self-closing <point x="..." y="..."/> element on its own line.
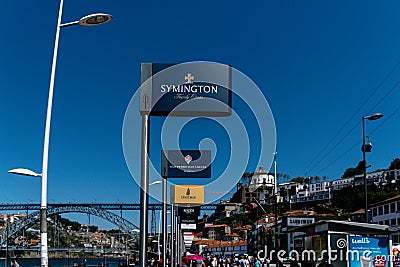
<point x="316" y="63"/>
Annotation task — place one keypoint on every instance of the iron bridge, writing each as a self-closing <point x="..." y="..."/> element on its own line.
<point x="97" y="209"/>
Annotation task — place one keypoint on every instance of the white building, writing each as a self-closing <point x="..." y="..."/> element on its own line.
<point x="387" y="212"/>
<point x="262" y="182"/>
<point x="313" y="192"/>
<point x="260" y="178"/>
<point x="341" y="183"/>
<point x="288" y="190"/>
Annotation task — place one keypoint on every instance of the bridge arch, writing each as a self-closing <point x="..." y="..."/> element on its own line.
<point x="34" y="217"/>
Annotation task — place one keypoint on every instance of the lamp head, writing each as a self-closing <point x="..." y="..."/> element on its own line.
<point x="25" y="172"/>
<point x="374" y="116"/>
<point x="95" y="19"/>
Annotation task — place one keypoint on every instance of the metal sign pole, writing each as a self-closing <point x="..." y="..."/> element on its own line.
<point x="164" y="222"/>
<point x="172" y="254"/>
<point x="178" y="236"/>
<point x="144" y="188"/>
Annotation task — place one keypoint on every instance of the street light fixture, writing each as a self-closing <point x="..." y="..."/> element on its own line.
<point x="372" y="117"/>
<point x="25" y="172"/>
<point x="89" y="20"/>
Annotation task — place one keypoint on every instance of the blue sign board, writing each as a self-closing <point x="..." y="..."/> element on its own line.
<point x="186" y="163"/>
<point x="368" y="251"/>
<point x="188" y="89"/>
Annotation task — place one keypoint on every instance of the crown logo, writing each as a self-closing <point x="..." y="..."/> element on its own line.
<point x="189" y="78"/>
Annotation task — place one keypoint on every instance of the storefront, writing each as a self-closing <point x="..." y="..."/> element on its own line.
<point x="344" y="244"/>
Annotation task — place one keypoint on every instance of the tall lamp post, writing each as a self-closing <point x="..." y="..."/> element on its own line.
<point x="90" y="20"/>
<point x="364" y="150"/>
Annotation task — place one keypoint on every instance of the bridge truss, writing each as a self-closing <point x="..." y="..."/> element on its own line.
<point x="100" y="210"/>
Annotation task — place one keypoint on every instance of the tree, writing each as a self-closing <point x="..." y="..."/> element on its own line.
<point x="299" y="180"/>
<point x="286" y="176"/>
<point x="349" y="172"/>
<point x="395" y="164"/>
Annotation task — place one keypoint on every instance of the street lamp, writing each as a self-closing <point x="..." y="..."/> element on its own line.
<point x="89" y="20"/>
<point x="155" y="182"/>
<point x="365" y="149"/>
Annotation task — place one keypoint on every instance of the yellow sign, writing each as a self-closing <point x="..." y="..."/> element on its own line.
<point x="187" y="194"/>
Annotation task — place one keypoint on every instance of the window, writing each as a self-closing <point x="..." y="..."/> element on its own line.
<point x="374" y="212"/>
<point x="393" y="207"/>
<point x="398" y="221"/>
<point x="380" y="210"/>
<point x="396" y="239"/>
<point x="386" y="222"/>
<point x="393" y="222"/>
<point x="386" y="209"/>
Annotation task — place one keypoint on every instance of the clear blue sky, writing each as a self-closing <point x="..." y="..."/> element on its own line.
<point x="316" y="62"/>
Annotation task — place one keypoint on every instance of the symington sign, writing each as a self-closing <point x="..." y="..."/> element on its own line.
<point x="186" y="163"/>
<point x="188" y="89"/>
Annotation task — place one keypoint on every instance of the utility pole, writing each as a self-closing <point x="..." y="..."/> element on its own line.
<point x="276" y="203"/>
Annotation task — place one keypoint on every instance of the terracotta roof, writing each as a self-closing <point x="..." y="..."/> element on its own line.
<point x="203" y="242"/>
<point x="242" y="228"/>
<point x="216" y="226"/>
<point x="233" y="234"/>
<point x="386" y="201"/>
<point x="360" y="211"/>
<point x="220" y="244"/>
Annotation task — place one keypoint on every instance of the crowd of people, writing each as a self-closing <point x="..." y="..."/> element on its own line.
<point x="225" y="261"/>
<point x="233" y="261"/>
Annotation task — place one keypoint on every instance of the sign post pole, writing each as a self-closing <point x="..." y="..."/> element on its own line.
<point x="164" y="222"/>
<point x="172" y="254"/>
<point x="144" y="187"/>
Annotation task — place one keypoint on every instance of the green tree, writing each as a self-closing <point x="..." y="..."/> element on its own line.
<point x="299" y="180"/>
<point x="93" y="228"/>
<point x="395" y="164"/>
<point x="349" y="172"/>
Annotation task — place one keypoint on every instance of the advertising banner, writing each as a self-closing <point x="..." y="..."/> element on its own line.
<point x="396" y="256"/>
<point x="188" y="89"/>
<point x="186" y="163"/>
<point x="187" y="194"/>
<point x="368" y="251"/>
<point x="188" y="215"/>
<point x="188" y="226"/>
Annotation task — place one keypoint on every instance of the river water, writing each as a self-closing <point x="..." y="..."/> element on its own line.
<point x="73" y="262"/>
